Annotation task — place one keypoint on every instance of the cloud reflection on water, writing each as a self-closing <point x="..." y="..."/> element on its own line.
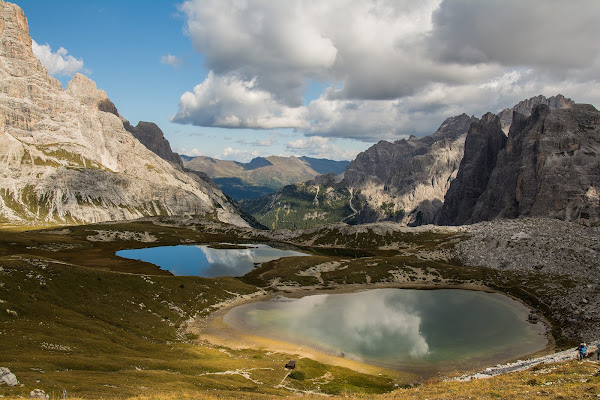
<point x="419" y="329"/>
<point x="371" y="324"/>
<point x="208" y="262"/>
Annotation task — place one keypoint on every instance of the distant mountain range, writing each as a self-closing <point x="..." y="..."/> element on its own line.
<point x="261" y="176"/>
<point x="467" y="171"/>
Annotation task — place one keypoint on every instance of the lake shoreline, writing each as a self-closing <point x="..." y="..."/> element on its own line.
<point x="212" y="329"/>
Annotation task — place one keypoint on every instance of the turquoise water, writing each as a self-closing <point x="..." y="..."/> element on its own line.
<point x="201" y="260"/>
<point x="420" y="330"/>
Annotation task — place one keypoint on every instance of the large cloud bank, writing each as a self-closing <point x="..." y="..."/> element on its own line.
<point x="390" y="68"/>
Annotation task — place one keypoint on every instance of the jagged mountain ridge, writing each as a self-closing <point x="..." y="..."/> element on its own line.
<point x="66" y="157"/>
<point x="547" y="167"/>
<point x="406" y="180"/>
<point x="403" y="181"/>
<point x="262" y="175"/>
<point x="524" y="107"/>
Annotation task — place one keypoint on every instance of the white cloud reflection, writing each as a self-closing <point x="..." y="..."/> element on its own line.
<point x="365" y="325"/>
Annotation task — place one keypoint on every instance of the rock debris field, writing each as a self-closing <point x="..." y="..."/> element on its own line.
<point x="560" y="250"/>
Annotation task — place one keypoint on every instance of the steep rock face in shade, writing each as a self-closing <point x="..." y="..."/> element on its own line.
<point x="407" y="180"/>
<point x="153" y="138"/>
<point x="65" y="156"/>
<point x="548" y="168"/>
<point x="484" y="141"/>
<point x="524" y="107"/>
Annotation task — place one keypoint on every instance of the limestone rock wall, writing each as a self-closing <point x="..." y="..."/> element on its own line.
<point x="484" y="141"/>
<point x="64" y="160"/>
<point x="524" y="107"/>
<point x="549" y="167"/>
<point x="153" y="138"/>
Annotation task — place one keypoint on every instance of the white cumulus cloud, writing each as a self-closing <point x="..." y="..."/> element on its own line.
<point x="59" y="63"/>
<point x="230" y="153"/>
<point x="320" y="147"/>
<point x="230" y="102"/>
<point x="391" y="67"/>
<point x="171" y="60"/>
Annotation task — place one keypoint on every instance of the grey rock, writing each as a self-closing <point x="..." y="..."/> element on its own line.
<point x="483" y="143"/>
<point x="532" y="318"/>
<point x="410" y="175"/>
<point x="573" y="258"/>
<point x="524" y="107"/>
<point x="153" y="138"/>
<point x="38" y="394"/>
<point x="7" y="377"/>
<point x="548" y="168"/>
<point x="403" y="181"/>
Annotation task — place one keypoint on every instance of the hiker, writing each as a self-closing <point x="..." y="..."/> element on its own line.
<point x="582" y="349"/>
<point x="598" y="346"/>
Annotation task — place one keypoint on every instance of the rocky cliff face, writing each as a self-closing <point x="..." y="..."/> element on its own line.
<point x="153" y="138"/>
<point x="484" y="140"/>
<point x="406" y="180"/>
<point x="524" y="107"/>
<point x="66" y="157"/>
<point x="549" y="167"/>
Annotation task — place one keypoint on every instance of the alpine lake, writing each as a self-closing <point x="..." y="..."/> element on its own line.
<point x="209" y="261"/>
<point x="421" y="331"/>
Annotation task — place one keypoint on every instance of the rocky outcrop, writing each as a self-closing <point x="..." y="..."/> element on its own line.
<point x="484" y="140"/>
<point x="549" y="167"/>
<point x="153" y="138"/>
<point x="65" y="156"/>
<point x="524" y="107"/>
<point x="7" y="377"/>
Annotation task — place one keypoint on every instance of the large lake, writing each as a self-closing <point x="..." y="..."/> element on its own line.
<point x="206" y="261"/>
<point x="423" y="331"/>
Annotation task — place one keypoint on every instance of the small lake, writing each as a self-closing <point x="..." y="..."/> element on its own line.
<point x="206" y="261"/>
<point x="422" y="331"/>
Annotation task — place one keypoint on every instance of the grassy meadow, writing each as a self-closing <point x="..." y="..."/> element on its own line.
<point x="74" y="316"/>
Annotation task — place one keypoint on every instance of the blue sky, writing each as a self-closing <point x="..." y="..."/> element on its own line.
<point x="237" y="79"/>
<point x="122" y="43"/>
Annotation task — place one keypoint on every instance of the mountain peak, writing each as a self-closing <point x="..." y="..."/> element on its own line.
<point x="85" y="90"/>
<point x="526" y="106"/>
<point x="257" y="162"/>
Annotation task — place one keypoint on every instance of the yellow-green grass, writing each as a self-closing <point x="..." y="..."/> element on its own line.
<point x="75" y="316"/>
<point x="71" y="318"/>
<point x="565" y="381"/>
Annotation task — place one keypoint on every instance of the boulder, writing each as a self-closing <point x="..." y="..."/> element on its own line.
<point x="7" y="377"/>
<point x="38" y="394"/>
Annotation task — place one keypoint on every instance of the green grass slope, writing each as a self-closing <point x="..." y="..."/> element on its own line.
<point x="302" y="205"/>
<point x="262" y="176"/>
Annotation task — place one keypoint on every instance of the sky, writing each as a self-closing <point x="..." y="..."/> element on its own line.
<point x="236" y="79"/>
